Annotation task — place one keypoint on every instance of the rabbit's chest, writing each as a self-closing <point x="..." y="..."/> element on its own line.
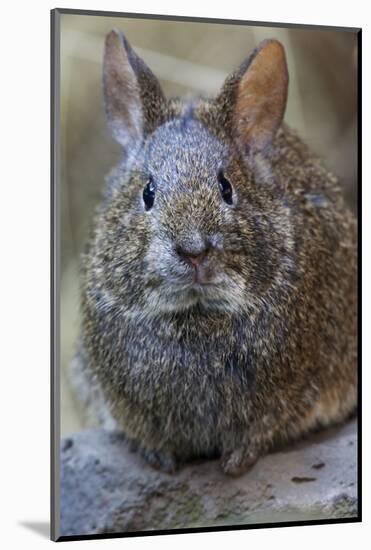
<point x="179" y="373"/>
<point x="194" y="378"/>
<point x="187" y="396"/>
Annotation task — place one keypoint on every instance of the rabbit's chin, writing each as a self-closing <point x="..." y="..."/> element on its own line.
<point x="205" y="297"/>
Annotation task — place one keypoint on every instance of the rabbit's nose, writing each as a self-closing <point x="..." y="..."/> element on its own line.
<point x="192" y="256"/>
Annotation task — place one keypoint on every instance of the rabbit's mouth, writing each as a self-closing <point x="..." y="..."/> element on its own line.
<point x="201" y="281"/>
<point x="199" y="289"/>
<point x="177" y="294"/>
<point x="196" y="275"/>
<point x="207" y="294"/>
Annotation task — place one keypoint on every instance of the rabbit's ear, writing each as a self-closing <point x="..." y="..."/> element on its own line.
<point x="257" y="95"/>
<point x="134" y="101"/>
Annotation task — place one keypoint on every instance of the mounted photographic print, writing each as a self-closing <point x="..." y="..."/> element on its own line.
<point x="204" y="184"/>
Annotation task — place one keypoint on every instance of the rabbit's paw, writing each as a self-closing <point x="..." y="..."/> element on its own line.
<point x="160" y="460"/>
<point x="237" y="462"/>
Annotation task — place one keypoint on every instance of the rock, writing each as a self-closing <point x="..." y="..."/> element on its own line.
<point x="105" y="488"/>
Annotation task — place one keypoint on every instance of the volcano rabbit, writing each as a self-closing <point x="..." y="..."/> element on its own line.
<point x="219" y="283"/>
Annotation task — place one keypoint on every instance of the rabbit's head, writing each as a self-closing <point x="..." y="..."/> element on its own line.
<point x="195" y="215"/>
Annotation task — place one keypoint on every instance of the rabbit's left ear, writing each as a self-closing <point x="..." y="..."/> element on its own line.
<point x="257" y="95"/>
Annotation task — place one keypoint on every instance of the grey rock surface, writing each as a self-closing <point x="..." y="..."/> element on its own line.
<point x="105" y="488"/>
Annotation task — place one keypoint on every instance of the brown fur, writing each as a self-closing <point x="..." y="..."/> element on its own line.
<point x="268" y="352"/>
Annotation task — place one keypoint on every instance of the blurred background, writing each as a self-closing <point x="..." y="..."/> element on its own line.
<point x="188" y="58"/>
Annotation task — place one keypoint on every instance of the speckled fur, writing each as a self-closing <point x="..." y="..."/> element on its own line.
<point x="262" y="357"/>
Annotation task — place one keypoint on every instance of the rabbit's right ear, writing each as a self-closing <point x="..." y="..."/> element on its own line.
<point x="253" y="99"/>
<point x="134" y="102"/>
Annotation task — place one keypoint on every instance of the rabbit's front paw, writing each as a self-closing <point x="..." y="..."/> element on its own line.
<point x="237" y="462"/>
<point x="160" y="460"/>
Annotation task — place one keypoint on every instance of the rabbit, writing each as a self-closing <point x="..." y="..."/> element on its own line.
<point x="219" y="282"/>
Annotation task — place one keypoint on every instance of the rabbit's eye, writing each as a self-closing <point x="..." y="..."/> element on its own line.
<point x="149" y="194"/>
<point x="225" y="188"/>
